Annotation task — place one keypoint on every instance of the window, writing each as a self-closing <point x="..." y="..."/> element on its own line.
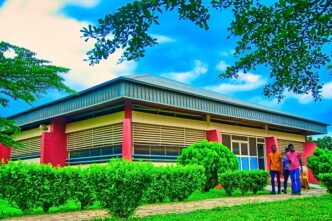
<point x="31" y="149"/>
<point x="226" y="140"/>
<point x="94" y="155"/>
<point x="156" y="153"/>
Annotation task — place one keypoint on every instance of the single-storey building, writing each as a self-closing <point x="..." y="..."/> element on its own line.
<point x="150" y="118"/>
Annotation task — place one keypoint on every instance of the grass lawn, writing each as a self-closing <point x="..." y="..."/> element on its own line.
<point x="310" y="208"/>
<point x="7" y="210"/>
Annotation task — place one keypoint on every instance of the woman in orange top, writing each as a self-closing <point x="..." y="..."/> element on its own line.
<point x="275" y="168"/>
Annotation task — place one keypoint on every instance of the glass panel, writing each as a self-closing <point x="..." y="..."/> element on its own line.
<point x="261" y="164"/>
<point x="84" y="153"/>
<point x="239" y="138"/>
<point x="157" y="150"/>
<point x="226" y="140"/>
<point x="260" y="148"/>
<point x="117" y="149"/>
<point x="244" y="149"/>
<point x="239" y="162"/>
<point x="260" y="140"/>
<point x="107" y="151"/>
<point x="95" y="152"/>
<point x="142" y="150"/>
<point x="236" y="148"/>
<point x="252" y="146"/>
<point x="245" y="163"/>
<point x="172" y="151"/>
<point x="253" y="163"/>
<point x="74" y="154"/>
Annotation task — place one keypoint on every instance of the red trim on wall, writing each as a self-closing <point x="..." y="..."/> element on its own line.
<point x="127" y="133"/>
<point x="213" y="136"/>
<point x="54" y="144"/>
<point x="5" y="153"/>
<point x="308" y="150"/>
<point x="269" y="141"/>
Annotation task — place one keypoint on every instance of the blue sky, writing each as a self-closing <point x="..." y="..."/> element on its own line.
<point x="186" y="53"/>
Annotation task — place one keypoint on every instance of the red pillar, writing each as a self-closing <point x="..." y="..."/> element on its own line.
<point x="269" y="141"/>
<point x="308" y="150"/>
<point x="54" y="144"/>
<point x="5" y="153"/>
<point x="213" y="135"/>
<point x="127" y="133"/>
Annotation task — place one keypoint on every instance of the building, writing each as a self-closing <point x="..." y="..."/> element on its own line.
<point x="149" y="118"/>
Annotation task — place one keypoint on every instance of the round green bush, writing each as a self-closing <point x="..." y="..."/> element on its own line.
<point x="214" y="157"/>
<point x="320" y="162"/>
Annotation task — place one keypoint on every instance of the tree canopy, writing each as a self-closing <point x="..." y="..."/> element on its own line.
<point x="24" y="77"/>
<point x="287" y="36"/>
<point x="323" y="143"/>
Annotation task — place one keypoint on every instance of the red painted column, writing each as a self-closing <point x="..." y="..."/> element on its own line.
<point x="213" y="135"/>
<point x="269" y="141"/>
<point x="54" y="144"/>
<point x="5" y="153"/>
<point x="308" y="150"/>
<point x="127" y="133"/>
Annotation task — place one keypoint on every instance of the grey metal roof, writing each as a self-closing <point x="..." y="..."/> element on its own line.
<point x="160" y="90"/>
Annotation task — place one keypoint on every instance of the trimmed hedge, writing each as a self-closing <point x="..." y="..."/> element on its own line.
<point x="320" y="162"/>
<point x="214" y="157"/>
<point x="326" y="178"/>
<point x="119" y="187"/>
<point x="245" y="181"/>
<point x="174" y="183"/>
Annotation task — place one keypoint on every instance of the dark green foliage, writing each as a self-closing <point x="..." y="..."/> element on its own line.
<point x="250" y="180"/>
<point x="174" y="183"/>
<point x="24" y="77"/>
<point x="324" y="143"/>
<point x="326" y="178"/>
<point x="214" y="157"/>
<point x="120" y="186"/>
<point x="320" y="162"/>
<point x="287" y="36"/>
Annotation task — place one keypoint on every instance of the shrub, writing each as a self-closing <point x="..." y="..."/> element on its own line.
<point x="174" y="183"/>
<point x="79" y="186"/>
<point x="250" y="180"/>
<point x="214" y="157"/>
<point x="326" y="178"/>
<point x="119" y="186"/>
<point x="320" y="162"/>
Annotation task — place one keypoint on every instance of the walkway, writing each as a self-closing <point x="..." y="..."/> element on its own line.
<point x="182" y="207"/>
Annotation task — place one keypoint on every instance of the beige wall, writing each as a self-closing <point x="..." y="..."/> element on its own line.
<point x="28" y="134"/>
<point x="95" y="122"/>
<point x="139" y="117"/>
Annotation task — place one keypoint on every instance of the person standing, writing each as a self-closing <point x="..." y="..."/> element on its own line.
<point x="285" y="168"/>
<point x="294" y="159"/>
<point x="275" y="167"/>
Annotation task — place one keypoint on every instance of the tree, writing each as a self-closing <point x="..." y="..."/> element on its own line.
<point x="287" y="37"/>
<point x="323" y="143"/>
<point x="24" y="77"/>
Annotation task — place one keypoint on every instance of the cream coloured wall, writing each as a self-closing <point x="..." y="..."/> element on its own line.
<point x="95" y="122"/>
<point x="28" y="134"/>
<point x="33" y="160"/>
<point x="140" y="117"/>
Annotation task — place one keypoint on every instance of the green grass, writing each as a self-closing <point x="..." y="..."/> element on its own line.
<point x="309" y="208"/>
<point x="315" y="208"/>
<point x="7" y="210"/>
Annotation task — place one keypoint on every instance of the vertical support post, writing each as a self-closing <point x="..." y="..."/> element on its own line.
<point x="5" y="153"/>
<point x="213" y="136"/>
<point x="308" y="150"/>
<point x="269" y="141"/>
<point x="127" y="133"/>
<point x="54" y="144"/>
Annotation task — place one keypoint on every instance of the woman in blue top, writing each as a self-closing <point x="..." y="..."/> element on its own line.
<point x="285" y="167"/>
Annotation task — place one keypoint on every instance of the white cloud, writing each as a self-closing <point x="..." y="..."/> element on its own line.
<point x="222" y="66"/>
<point x="188" y="76"/>
<point x="245" y="82"/>
<point x="271" y="103"/>
<point x="161" y="39"/>
<point x="327" y="90"/>
<point x="39" y="26"/>
<point x="84" y="3"/>
<point x="227" y="53"/>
